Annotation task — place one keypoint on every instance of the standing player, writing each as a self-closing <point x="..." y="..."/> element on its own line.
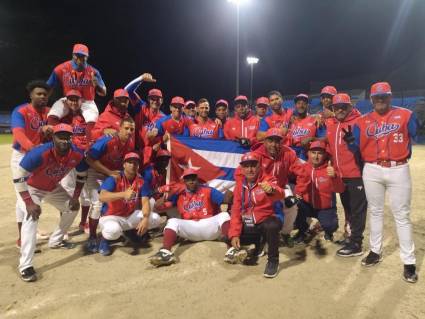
<point x="200" y="220"/>
<point x="190" y="109"/>
<point x="303" y="128"/>
<point x="326" y="95"/>
<point x="261" y="107"/>
<point x="105" y="158"/>
<point x="126" y="204"/>
<point x="77" y="74"/>
<point x="73" y="102"/>
<point x="348" y="166"/>
<point x="29" y="130"/>
<point x="221" y="111"/>
<point x="175" y="123"/>
<point x="279" y="117"/>
<point x="253" y="214"/>
<point x="204" y="127"/>
<point x="37" y="180"/>
<point x="116" y="110"/>
<point x="243" y="127"/>
<point x="383" y="138"/>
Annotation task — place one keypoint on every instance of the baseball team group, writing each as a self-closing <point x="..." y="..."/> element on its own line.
<point x="113" y="166"/>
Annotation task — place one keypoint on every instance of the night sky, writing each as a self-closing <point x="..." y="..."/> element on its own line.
<point x="190" y="45"/>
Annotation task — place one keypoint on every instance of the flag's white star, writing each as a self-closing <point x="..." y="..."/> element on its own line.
<point x="189" y="165"/>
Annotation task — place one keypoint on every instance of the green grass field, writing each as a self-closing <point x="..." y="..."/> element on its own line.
<point x="5" y="139"/>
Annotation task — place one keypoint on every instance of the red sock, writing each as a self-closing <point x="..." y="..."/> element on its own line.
<point x="170" y="238"/>
<point x="93" y="227"/>
<point x="225" y="229"/>
<point x="84" y="213"/>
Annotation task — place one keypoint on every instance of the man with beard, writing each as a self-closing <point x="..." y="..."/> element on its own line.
<point x="221" y="111"/>
<point x="109" y="121"/>
<point x="203" y="126"/>
<point x="29" y="129"/>
<point x="37" y="180"/>
<point x="261" y="107"/>
<point x="303" y="128"/>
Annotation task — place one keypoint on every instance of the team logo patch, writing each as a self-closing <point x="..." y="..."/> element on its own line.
<point x="299" y="131"/>
<point x="384" y="129"/>
<point x="202" y="132"/>
<point x="36" y="123"/>
<point x="194" y="205"/>
<point x="57" y="171"/>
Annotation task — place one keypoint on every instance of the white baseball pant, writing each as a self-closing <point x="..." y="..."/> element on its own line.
<point x="203" y="229"/>
<point x="94" y="180"/>
<point x="59" y="199"/>
<point x="69" y="182"/>
<point x="112" y="227"/>
<point x="88" y="109"/>
<point x="14" y="164"/>
<point x="397" y="182"/>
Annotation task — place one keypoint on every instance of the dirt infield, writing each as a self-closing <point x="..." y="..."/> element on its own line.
<point x="312" y="282"/>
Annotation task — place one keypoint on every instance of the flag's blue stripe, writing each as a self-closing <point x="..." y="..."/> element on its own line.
<point x="228" y="174"/>
<point x="211" y="145"/>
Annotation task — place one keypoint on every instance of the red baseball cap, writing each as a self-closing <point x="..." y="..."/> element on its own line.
<point x="155" y="92"/>
<point x="301" y="96"/>
<point x="177" y="100"/>
<point x="241" y="98"/>
<point x="163" y="153"/>
<point x="62" y="127"/>
<point x="222" y="102"/>
<point x="80" y="49"/>
<point x="331" y="90"/>
<point x="380" y="88"/>
<point x="249" y="157"/>
<point x="189" y="102"/>
<point x="131" y="155"/>
<point x="262" y="101"/>
<point x="121" y="93"/>
<point x="318" y="144"/>
<point x="74" y="93"/>
<point x="189" y="171"/>
<point x="341" y="98"/>
<point x="274" y="132"/>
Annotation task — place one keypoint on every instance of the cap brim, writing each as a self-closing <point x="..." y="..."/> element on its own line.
<point x="81" y="53"/>
<point x="384" y="93"/>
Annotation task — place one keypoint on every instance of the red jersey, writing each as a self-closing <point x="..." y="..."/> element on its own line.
<point x="48" y="168"/>
<point x="343" y="159"/>
<point x="110" y="118"/>
<point x="124" y="207"/>
<point x="279" y="120"/>
<point x="253" y="201"/>
<point x="301" y="129"/>
<point x="385" y="137"/>
<point x="236" y="128"/>
<point x="26" y="124"/>
<point x="72" y="79"/>
<point x="172" y="126"/>
<point x="202" y="203"/>
<point x="205" y="129"/>
<point x="317" y="188"/>
<point x="110" y="151"/>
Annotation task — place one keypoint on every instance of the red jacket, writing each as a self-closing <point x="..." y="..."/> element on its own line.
<point x="110" y="118"/>
<point x="316" y="187"/>
<point x="236" y="127"/>
<point x="281" y="167"/>
<point x="253" y="200"/>
<point x="343" y="158"/>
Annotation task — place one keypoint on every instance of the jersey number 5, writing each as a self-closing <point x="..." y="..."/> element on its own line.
<point x="398" y="137"/>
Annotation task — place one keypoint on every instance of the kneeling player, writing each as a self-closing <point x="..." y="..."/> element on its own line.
<point x="316" y="188"/>
<point x="253" y="215"/>
<point x="126" y="204"/>
<point x="198" y="206"/>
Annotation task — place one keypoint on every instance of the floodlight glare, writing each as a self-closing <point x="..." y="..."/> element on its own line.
<point x="252" y="60"/>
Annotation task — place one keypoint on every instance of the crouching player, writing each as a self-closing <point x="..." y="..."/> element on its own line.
<point x="316" y="187"/>
<point x="198" y="206"/>
<point x="126" y="204"/>
<point x="253" y="215"/>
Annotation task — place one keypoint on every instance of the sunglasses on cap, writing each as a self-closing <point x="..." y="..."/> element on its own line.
<point x="190" y="106"/>
<point x="177" y="106"/>
<point x="154" y="98"/>
<point x="340" y="106"/>
<point x="326" y="96"/>
<point x="381" y="96"/>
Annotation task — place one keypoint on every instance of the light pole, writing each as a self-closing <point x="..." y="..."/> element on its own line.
<point x="237" y="3"/>
<point x="251" y="61"/>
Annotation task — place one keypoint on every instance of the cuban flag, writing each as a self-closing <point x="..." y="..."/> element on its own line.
<point x="215" y="160"/>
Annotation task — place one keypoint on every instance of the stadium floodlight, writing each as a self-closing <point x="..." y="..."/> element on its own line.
<point x="252" y="60"/>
